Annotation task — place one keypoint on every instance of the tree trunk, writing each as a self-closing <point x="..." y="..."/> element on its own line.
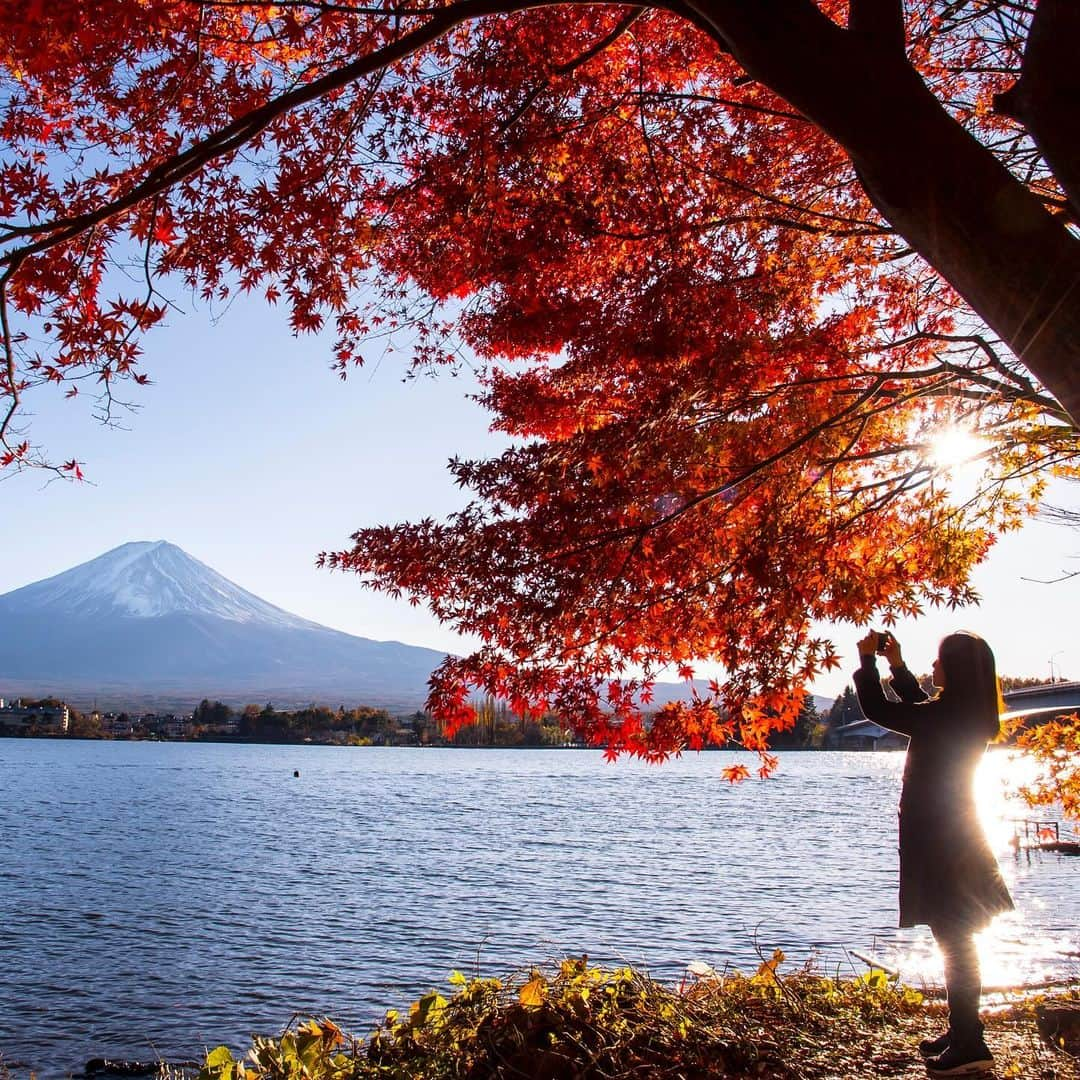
<point x="987" y="235"/>
<point x="946" y="194"/>
<point x="1046" y="99"/>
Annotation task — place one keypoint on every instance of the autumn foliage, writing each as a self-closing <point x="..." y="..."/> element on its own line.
<point x="1055" y="746"/>
<point x="721" y="352"/>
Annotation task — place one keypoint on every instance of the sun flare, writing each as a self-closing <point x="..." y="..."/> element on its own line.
<point x="953" y="446"/>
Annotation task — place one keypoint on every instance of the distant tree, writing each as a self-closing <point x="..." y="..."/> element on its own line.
<point x="85" y="725"/>
<point x="272" y="724"/>
<point x="1023" y="682"/>
<point x="483" y="724"/>
<point x="532" y="733"/>
<point x="844" y="710"/>
<point x="214" y="715"/>
<point x="248" y="725"/>
<point x="423" y="727"/>
<point x="314" y="720"/>
<point x="555" y="731"/>
<point x="377" y="722"/>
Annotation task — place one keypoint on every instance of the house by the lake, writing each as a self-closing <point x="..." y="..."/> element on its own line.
<point x="17" y="717"/>
<point x="866" y="735"/>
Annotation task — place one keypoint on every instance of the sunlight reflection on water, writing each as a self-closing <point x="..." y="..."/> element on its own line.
<point x="1019" y="947"/>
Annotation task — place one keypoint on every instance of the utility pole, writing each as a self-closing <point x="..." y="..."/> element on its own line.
<point x="1058" y="653"/>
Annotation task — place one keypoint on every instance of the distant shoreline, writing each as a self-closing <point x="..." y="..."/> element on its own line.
<point x="227" y="741"/>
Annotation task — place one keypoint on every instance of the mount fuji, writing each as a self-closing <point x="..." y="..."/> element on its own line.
<point x="147" y="624"/>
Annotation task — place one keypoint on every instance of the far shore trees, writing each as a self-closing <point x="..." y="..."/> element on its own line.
<point x="746" y="279"/>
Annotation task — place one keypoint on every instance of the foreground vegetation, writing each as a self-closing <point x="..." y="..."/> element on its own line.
<point x="580" y="1022"/>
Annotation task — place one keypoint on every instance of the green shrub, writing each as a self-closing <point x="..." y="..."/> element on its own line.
<point x="583" y="1022"/>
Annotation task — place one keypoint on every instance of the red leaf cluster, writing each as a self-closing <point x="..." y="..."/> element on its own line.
<point x="719" y="365"/>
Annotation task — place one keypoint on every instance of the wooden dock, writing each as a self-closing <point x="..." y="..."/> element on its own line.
<point x="1030" y="834"/>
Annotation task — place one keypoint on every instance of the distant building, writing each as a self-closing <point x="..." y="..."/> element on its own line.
<point x="118" y="725"/>
<point x="866" y="735"/>
<point x="177" y="727"/>
<point x="167" y="726"/>
<point x="18" y="717"/>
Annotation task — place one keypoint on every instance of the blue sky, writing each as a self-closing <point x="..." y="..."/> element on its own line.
<point x="253" y="456"/>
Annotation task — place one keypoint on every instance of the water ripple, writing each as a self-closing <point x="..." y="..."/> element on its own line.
<point x="161" y="898"/>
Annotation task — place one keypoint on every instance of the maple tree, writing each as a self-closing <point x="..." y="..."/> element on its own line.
<point x="727" y="266"/>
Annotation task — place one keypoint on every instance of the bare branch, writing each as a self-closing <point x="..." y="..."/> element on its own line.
<point x="727" y="103"/>
<point x="9" y="361"/>
<point x="1052" y="581"/>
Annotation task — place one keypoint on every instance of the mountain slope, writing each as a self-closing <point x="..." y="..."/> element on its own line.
<point x="146" y="579"/>
<point x="147" y="618"/>
<point x="148" y="625"/>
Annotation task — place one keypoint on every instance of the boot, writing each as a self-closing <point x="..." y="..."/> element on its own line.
<point x="929" y="1048"/>
<point x="963" y="1058"/>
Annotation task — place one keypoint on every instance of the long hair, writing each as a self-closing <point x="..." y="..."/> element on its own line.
<point x="971" y="682"/>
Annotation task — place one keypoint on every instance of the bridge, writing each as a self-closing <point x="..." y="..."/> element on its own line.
<point x="1049" y="700"/>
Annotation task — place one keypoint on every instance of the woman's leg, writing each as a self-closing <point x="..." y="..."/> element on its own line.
<point x="963" y="981"/>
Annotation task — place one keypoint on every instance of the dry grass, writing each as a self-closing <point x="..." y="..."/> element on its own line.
<point x="574" y="1022"/>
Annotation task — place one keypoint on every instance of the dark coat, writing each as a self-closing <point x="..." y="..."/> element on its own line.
<point x="948" y="874"/>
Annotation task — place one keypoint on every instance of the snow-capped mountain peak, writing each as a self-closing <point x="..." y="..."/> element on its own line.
<point x="147" y="579"/>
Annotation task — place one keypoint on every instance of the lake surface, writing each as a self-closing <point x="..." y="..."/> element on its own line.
<point x="161" y="898"/>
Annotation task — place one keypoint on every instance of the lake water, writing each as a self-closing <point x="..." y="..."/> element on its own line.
<point x="161" y="898"/>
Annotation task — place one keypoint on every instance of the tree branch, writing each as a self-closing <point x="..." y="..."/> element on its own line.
<point x="879" y="22"/>
<point x="1045" y="96"/>
<point x="741" y="478"/>
<point x="245" y="128"/>
<point x="571" y="66"/>
<point x="727" y="103"/>
<point x="949" y="196"/>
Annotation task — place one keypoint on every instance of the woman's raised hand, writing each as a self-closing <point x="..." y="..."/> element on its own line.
<point x="869" y="645"/>
<point x="891" y="651"/>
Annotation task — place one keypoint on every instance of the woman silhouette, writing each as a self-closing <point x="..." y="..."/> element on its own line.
<point x="949" y="878"/>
